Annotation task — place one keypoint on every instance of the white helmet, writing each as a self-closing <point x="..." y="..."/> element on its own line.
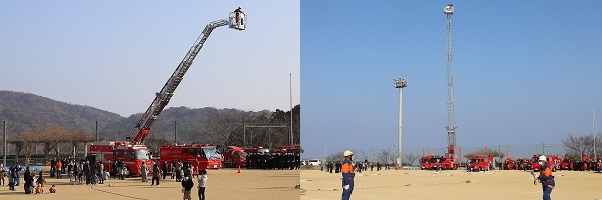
<point x="542" y="158"/>
<point x="347" y="153"/>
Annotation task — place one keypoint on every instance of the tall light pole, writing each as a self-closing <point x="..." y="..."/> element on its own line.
<point x="400" y="83"/>
<point x="290" y="84"/>
<point x="595" y="131"/>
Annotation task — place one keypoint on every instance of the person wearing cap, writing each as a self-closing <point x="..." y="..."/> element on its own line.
<point x="546" y="178"/>
<point x="348" y="171"/>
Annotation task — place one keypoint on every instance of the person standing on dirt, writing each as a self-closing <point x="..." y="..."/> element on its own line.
<point x="178" y="168"/>
<point x="164" y="169"/>
<point x="156" y="174"/>
<point x="202" y="179"/>
<point x="144" y="172"/>
<point x="18" y="174"/>
<point x="187" y="185"/>
<point x="348" y="171"/>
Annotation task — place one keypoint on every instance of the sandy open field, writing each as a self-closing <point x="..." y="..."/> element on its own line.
<point x="222" y="184"/>
<point x="417" y="184"/>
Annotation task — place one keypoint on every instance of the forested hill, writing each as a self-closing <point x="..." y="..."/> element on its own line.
<point x="24" y="111"/>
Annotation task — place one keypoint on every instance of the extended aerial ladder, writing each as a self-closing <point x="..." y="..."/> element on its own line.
<point x="236" y="20"/>
<point x="451" y="126"/>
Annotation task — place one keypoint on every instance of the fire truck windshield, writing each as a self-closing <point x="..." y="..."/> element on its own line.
<point x="212" y="153"/>
<point x="142" y="154"/>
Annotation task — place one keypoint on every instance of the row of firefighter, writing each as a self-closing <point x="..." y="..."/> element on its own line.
<point x="210" y="156"/>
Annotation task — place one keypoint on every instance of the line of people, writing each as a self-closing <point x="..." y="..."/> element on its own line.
<point x="275" y="160"/>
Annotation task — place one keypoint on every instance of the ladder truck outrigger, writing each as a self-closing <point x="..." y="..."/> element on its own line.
<point x="132" y="153"/>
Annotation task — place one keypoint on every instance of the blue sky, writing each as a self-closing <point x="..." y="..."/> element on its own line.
<point x="525" y="72"/>
<point x="114" y="55"/>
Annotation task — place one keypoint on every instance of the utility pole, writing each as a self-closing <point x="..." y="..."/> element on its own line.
<point x="451" y="126"/>
<point x="4" y="152"/>
<point x="175" y="132"/>
<point x="400" y="83"/>
<point x="96" y="131"/>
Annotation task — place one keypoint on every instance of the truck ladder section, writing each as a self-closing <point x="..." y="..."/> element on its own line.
<point x="142" y="127"/>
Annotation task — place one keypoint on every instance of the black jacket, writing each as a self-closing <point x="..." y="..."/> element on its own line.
<point x="188" y="184"/>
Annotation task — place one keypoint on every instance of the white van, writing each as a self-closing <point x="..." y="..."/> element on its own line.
<point x="314" y="162"/>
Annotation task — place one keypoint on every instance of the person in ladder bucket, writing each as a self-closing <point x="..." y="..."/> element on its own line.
<point x="546" y="178"/>
<point x="348" y="172"/>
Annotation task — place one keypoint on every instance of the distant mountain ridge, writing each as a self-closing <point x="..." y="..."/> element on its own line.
<point x="25" y="111"/>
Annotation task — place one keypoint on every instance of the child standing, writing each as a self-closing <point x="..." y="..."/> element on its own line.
<point x="202" y="178"/>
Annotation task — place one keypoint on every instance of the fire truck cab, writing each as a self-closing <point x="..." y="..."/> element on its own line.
<point x="480" y="163"/>
<point x="424" y="162"/>
<point x="509" y="164"/>
<point x="214" y="156"/>
<point x="234" y="157"/>
<point x="108" y="153"/>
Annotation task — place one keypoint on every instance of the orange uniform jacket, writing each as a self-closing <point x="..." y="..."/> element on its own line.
<point x="348" y="172"/>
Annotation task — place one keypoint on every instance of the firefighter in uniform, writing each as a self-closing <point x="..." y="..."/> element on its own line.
<point x="348" y="172"/>
<point x="546" y="178"/>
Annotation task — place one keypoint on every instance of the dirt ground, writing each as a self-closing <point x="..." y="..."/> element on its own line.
<point x="221" y="184"/>
<point x="418" y="184"/>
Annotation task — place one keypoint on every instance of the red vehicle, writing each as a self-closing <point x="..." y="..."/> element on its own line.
<point x="234" y="156"/>
<point x="424" y="162"/>
<point x="509" y="164"/>
<point x="191" y="154"/>
<point x="133" y="156"/>
<point x="551" y="161"/>
<point x="214" y="157"/>
<point x="523" y="164"/>
<point x="583" y="165"/>
<point x="444" y="162"/>
<point x="567" y="164"/>
<point x="480" y="163"/>
<point x="295" y="149"/>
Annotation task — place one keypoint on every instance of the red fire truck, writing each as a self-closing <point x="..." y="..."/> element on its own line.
<point x="133" y="152"/>
<point x="133" y="156"/>
<point x="552" y="161"/>
<point x="567" y="164"/>
<point x="523" y="164"/>
<point x="234" y="157"/>
<point x="480" y="163"/>
<point x="191" y="154"/>
<point x="424" y="162"/>
<point x="295" y="149"/>
<point x="509" y="164"/>
<point x="444" y="162"/>
<point x="214" y="157"/>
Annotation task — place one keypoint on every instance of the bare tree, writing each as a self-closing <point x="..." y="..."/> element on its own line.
<point x="579" y="146"/>
<point x="484" y="151"/>
<point x="224" y="124"/>
<point x="384" y="156"/>
<point x="335" y="157"/>
<point x="409" y="159"/>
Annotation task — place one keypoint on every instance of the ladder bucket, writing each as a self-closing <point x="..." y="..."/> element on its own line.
<point x="238" y="20"/>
